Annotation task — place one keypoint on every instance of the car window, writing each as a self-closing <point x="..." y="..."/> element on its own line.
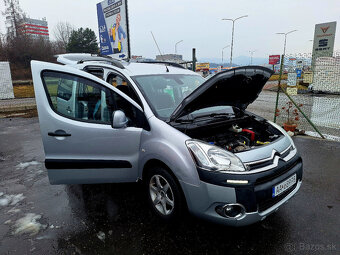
<point x="78" y="98"/>
<point x="135" y="116"/>
<point x="96" y="71"/>
<point x="65" y="89"/>
<point x="166" y="91"/>
<point x="85" y="100"/>
<point x="123" y="85"/>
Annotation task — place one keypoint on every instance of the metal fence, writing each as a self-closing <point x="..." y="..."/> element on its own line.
<point x="6" y="88"/>
<point x="316" y="88"/>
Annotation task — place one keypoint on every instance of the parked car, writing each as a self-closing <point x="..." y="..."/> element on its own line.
<point x="190" y="140"/>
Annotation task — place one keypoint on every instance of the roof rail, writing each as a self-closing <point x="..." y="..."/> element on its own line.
<point x="162" y="62"/>
<point x="112" y="61"/>
<point x="78" y="58"/>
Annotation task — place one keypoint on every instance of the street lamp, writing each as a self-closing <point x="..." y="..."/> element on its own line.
<point x="222" y="52"/>
<point x="176" y="45"/>
<point x="251" y="56"/>
<point x="232" y="37"/>
<point x="285" y="34"/>
<point x="281" y="67"/>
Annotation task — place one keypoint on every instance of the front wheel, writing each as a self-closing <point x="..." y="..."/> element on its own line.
<point x="164" y="194"/>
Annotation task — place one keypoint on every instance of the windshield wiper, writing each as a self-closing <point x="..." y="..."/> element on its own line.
<point x="211" y="115"/>
<point x="214" y="115"/>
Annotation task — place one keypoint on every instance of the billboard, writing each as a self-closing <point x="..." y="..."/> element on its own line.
<point x="291" y="79"/>
<point x="113" y="28"/>
<point x="323" y="44"/>
<point x="202" y="66"/>
<point x="308" y="77"/>
<point x="274" y="59"/>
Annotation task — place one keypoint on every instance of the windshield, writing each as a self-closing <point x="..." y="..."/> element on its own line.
<point x="166" y="91"/>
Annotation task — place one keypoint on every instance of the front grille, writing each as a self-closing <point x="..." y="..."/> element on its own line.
<point x="277" y="173"/>
<point x="266" y="204"/>
<point x="259" y="165"/>
<point x="270" y="161"/>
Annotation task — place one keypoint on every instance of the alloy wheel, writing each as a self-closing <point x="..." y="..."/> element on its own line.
<point x="161" y="194"/>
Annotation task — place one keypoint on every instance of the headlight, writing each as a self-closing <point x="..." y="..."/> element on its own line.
<point x="213" y="158"/>
<point x="283" y="132"/>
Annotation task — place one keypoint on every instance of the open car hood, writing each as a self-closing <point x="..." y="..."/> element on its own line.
<point x="235" y="87"/>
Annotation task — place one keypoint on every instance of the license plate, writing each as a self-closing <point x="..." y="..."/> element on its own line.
<point x="281" y="187"/>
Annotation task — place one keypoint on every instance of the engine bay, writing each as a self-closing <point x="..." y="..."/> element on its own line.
<point x="237" y="139"/>
<point x="237" y="134"/>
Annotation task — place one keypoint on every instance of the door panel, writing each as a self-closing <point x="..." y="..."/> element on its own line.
<point x="66" y="97"/>
<point x="92" y="151"/>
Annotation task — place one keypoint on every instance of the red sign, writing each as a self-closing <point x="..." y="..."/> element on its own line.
<point x="324" y="29"/>
<point x="274" y="59"/>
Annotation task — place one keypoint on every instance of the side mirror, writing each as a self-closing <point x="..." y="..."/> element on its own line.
<point x="119" y="119"/>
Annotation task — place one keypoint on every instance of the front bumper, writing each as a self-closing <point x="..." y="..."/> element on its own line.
<point x="256" y="196"/>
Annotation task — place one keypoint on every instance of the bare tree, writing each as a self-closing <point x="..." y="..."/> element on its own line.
<point x="62" y="33"/>
<point x="14" y="17"/>
<point x="2" y="48"/>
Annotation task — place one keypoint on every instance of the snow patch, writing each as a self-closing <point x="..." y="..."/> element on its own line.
<point x="28" y="224"/>
<point x="7" y="222"/>
<point x="44" y="237"/>
<point x="14" y="210"/>
<point x="329" y="137"/>
<point x="1" y="193"/>
<point x="4" y="201"/>
<point x="27" y="164"/>
<point x="101" y="236"/>
<point x="11" y="199"/>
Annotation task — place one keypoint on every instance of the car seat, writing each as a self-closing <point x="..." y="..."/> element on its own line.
<point x="162" y="99"/>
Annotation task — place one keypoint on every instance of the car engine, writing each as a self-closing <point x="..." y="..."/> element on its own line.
<point x="238" y="139"/>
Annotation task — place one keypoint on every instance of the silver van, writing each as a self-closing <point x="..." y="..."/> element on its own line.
<point x="190" y="140"/>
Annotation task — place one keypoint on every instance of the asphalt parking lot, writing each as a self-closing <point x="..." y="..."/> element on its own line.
<point x="38" y="218"/>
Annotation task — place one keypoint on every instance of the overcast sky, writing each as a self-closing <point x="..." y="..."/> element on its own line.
<point x="198" y="23"/>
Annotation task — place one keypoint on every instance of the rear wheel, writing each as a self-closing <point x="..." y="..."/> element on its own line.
<point x="164" y="194"/>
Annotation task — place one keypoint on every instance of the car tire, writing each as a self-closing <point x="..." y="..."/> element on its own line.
<point x="164" y="194"/>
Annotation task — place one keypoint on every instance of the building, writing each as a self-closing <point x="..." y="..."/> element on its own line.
<point x="35" y="27"/>
<point x="170" y="58"/>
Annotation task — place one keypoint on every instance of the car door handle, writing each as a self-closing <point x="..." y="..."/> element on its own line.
<point x="59" y="133"/>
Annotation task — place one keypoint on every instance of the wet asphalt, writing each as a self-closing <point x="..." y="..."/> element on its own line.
<point x="114" y="218"/>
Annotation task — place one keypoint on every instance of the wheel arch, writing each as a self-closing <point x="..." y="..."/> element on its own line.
<point x="151" y="163"/>
<point x="154" y="163"/>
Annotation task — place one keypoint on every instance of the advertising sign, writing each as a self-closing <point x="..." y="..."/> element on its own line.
<point x="298" y="73"/>
<point x="299" y="64"/>
<point x="291" y="80"/>
<point x="202" y="66"/>
<point x="113" y="28"/>
<point x="323" y="44"/>
<point x="308" y="77"/>
<point x="291" y="91"/>
<point x="274" y="59"/>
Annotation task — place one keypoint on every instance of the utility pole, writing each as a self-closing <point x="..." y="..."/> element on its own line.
<point x="285" y="34"/>
<point x="281" y="67"/>
<point x="232" y="37"/>
<point x="222" y="53"/>
<point x="251" y="56"/>
<point x="176" y="45"/>
<point x="194" y="59"/>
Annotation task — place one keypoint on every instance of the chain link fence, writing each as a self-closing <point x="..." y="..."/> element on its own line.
<point x="315" y="87"/>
